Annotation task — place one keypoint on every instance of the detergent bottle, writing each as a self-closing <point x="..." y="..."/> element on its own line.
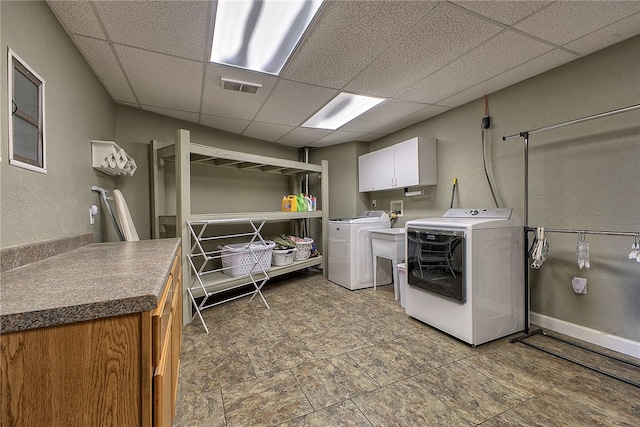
<point x="289" y="204"/>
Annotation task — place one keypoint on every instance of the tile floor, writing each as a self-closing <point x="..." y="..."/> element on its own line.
<point x="326" y="356"/>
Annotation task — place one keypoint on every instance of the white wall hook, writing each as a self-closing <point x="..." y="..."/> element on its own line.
<point x="93" y="211"/>
<point x="108" y="157"/>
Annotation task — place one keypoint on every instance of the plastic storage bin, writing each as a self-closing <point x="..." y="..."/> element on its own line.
<point x="240" y="259"/>
<point x="284" y="256"/>
<point x="402" y="281"/>
<point x="303" y="249"/>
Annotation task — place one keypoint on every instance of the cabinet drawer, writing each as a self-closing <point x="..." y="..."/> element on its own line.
<point x="176" y="277"/>
<point x="160" y="320"/>
<point x="162" y="387"/>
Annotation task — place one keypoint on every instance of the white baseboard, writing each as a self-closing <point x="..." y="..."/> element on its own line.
<point x="612" y="342"/>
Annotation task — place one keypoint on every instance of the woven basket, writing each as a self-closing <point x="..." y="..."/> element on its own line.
<point x="303" y="249"/>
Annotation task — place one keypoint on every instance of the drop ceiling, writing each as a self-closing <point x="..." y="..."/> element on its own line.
<point x="424" y="57"/>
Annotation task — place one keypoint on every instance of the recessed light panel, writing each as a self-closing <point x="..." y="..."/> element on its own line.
<point x="260" y="35"/>
<point x="340" y="110"/>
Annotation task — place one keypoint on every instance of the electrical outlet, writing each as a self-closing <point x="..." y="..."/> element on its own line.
<point x="373" y="204"/>
<point x="579" y="285"/>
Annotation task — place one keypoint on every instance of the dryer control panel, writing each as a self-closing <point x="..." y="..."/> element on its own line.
<point x="498" y="213"/>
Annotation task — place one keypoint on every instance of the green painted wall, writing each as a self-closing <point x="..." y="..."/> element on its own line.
<point x="34" y="206"/>
<point x="585" y="176"/>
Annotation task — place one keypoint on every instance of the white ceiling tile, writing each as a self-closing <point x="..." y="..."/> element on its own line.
<point x="337" y="137"/>
<point x="503" y="52"/>
<point x="161" y="26"/>
<point x="607" y="36"/>
<point x="415" y="52"/>
<point x="182" y="115"/>
<point x="565" y="21"/>
<point x="359" y="31"/>
<point x="228" y="103"/>
<point x="162" y="81"/>
<point x="446" y="33"/>
<point x="372" y="136"/>
<point x="266" y="131"/>
<point x="301" y="137"/>
<point x="224" y="123"/>
<point x="545" y="62"/>
<point x="77" y="17"/>
<point x="292" y="103"/>
<point x="385" y="113"/>
<point x="506" y="12"/>
<point x="293" y="144"/>
<point x="101" y="59"/>
<point x="424" y="114"/>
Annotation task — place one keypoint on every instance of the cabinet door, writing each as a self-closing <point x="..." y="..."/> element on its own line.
<point x="366" y="172"/>
<point x="406" y="163"/>
<point x="76" y="374"/>
<point x="385" y="176"/>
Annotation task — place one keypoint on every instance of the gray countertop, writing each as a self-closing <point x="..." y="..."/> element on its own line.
<point x="95" y="281"/>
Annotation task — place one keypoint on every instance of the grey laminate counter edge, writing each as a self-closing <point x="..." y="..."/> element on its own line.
<point x="95" y="281"/>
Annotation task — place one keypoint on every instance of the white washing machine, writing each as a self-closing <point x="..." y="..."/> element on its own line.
<point x="350" y="255"/>
<point x="465" y="273"/>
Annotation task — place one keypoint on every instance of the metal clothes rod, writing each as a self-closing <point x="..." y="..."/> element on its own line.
<point x="573" y="122"/>
<point x="571" y="231"/>
<point x="525" y="137"/>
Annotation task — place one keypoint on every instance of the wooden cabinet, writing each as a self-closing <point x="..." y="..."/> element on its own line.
<point x="97" y="372"/>
<point x="407" y="164"/>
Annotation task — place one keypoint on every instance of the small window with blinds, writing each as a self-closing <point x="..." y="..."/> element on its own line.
<point x="26" y="124"/>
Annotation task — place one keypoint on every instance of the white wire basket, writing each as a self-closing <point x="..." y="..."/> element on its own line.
<point x="240" y="259"/>
<point x="303" y="249"/>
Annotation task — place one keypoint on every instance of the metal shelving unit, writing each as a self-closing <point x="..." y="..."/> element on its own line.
<point x="184" y="153"/>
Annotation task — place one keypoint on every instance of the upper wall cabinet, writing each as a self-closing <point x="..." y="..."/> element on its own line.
<point x="407" y="164"/>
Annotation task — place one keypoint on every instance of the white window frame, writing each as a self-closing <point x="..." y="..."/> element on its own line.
<point x="13" y="61"/>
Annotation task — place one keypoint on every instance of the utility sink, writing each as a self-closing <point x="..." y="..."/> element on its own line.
<point x="389" y="233"/>
<point x="388" y="243"/>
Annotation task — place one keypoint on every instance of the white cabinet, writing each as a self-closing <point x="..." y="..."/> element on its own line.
<point x="406" y="164"/>
<point x="375" y="170"/>
<point x="366" y="172"/>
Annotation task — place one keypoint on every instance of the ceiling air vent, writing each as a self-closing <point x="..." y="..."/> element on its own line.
<point x="240" y="86"/>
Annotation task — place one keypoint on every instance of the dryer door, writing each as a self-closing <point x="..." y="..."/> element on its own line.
<point x="436" y="262"/>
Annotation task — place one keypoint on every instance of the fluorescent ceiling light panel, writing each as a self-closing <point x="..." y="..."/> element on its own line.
<point x="260" y="35"/>
<point x="340" y="110"/>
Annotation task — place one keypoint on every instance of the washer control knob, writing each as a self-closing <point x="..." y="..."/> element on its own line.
<point x="474" y="212"/>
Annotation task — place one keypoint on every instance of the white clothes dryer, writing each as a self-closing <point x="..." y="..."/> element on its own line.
<point x="465" y="273"/>
<point x="350" y="254"/>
